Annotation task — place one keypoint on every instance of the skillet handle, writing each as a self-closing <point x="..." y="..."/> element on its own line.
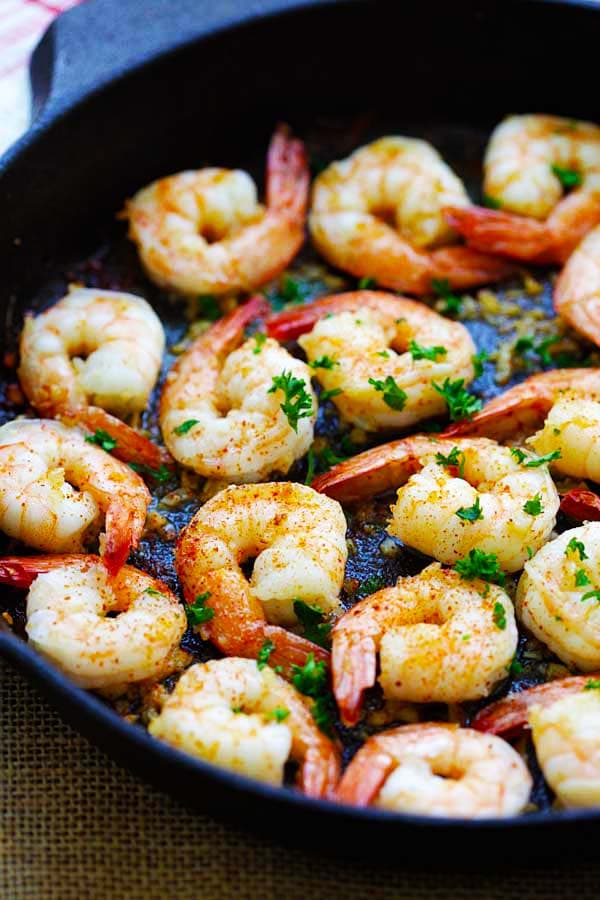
<point x="103" y="40"/>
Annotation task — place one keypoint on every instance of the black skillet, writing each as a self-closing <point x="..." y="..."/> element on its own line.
<point x="125" y="92"/>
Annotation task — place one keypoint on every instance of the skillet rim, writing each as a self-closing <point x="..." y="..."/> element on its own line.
<point x="58" y="688"/>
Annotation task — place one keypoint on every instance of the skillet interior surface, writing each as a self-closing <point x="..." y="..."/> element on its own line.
<point x="433" y="96"/>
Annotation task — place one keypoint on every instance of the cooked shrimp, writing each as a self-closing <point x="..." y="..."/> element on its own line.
<point x="365" y="337"/>
<point x="437" y="770"/>
<point x="566" y="736"/>
<point x="528" y="160"/>
<point x="297" y="538"/>
<point x="54" y="488"/>
<point x="558" y="596"/>
<point x="437" y="479"/>
<point x="438" y="638"/>
<point x="231" y="713"/>
<point x="572" y="429"/>
<point x="406" y="181"/>
<point x="67" y="605"/>
<point x="203" y="232"/>
<point x="522" y="409"/>
<point x="91" y="354"/>
<point x="221" y="412"/>
<point x="577" y="291"/>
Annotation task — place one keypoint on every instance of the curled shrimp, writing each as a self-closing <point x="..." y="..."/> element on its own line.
<point x="523" y="409"/>
<point x="454" y="496"/>
<point x="220" y="411"/>
<point x="404" y="180"/>
<point x="437" y="637"/>
<point x="67" y="605"/>
<point x="558" y="596"/>
<point x="365" y="337"/>
<point x="577" y="291"/>
<point x="203" y="232"/>
<point x="54" y="488"/>
<point x="435" y="769"/>
<point x="92" y="354"/>
<point x="231" y="713"/>
<point x="527" y="162"/>
<point x="297" y="539"/>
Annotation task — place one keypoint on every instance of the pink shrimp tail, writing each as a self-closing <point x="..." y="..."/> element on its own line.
<point x="228" y="331"/>
<point x="502" y="233"/>
<point x="353" y="664"/>
<point x="466" y="267"/>
<point x="581" y="505"/>
<point x="364" y="777"/>
<point x="287" y="175"/>
<point x="291" y="649"/>
<point x="510" y="715"/>
<point x="21" y="571"/>
<point x="130" y="447"/>
<point x="124" y="526"/>
<point x="320" y="773"/>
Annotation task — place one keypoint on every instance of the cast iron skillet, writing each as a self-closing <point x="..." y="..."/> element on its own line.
<point x="125" y="92"/>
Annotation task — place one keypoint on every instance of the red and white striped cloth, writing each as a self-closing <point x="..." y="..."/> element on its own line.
<point x="21" y="25"/>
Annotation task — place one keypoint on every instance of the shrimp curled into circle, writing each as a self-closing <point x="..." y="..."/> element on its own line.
<point x="54" y="488"/>
<point x="67" y="605"/>
<point x="92" y="354"/>
<point x="558" y="597"/>
<point x="231" y="713"/>
<point x="440" y="477"/>
<point x="437" y="637"/>
<point x="437" y="770"/>
<point x="577" y="291"/>
<point x="404" y="180"/>
<point x="528" y="161"/>
<point x="219" y="414"/>
<point x="297" y="538"/>
<point x="203" y="232"/>
<point x="366" y="336"/>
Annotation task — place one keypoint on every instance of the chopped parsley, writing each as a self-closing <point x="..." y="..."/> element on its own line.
<point x="264" y="653"/>
<point x="591" y="595"/>
<point x="569" y="178"/>
<point x="208" y="307"/>
<point x="161" y="474"/>
<point x="592" y="685"/>
<point x="393" y="395"/>
<point x="153" y="592"/>
<point x="102" y="439"/>
<point x="499" y="616"/>
<point x="491" y="202"/>
<point x="198" y="612"/>
<point x="478" y="360"/>
<point x="323" y="362"/>
<point x="470" y="513"/>
<point x="466" y="637"/>
<point x="292" y="290"/>
<point x="575" y="546"/>
<point x="327" y="395"/>
<point x="310" y="466"/>
<point x="260" y="338"/>
<point x="527" y="344"/>
<point x="311" y="617"/>
<point x="581" y="578"/>
<point x="452" y="302"/>
<point x="534" y="506"/>
<point x="480" y="565"/>
<point x="383" y="353"/>
<point x="515" y="667"/>
<point x="311" y="678"/>
<point x="185" y="426"/>
<point x="536" y="462"/>
<point x="530" y="552"/>
<point x="370" y="585"/>
<point x="367" y="284"/>
<point x="298" y="402"/>
<point x="456" y="458"/>
<point x="461" y="404"/>
<point x="431" y="353"/>
<point x="279" y="714"/>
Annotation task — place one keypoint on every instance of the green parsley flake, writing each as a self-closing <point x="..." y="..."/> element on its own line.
<point x="153" y="592"/>
<point x="393" y="395"/>
<point x="499" y="616"/>
<point x="264" y="653"/>
<point x="491" y="202"/>
<point x="311" y="617"/>
<point x="102" y="439"/>
<point x="470" y="513"/>
<point x="581" y="578"/>
<point x="298" y="402"/>
<point x="515" y="667"/>
<point x="569" y="178"/>
<point x="279" y="714"/>
<point x="310" y="466"/>
<point x="592" y="685"/>
<point x="430" y="353"/>
<point x="327" y="395"/>
<point x="260" y="338"/>
<point x="455" y="459"/>
<point x="370" y="585"/>
<point x="575" y="546"/>
<point x="534" y="506"/>
<point x="461" y="404"/>
<point x="367" y="284"/>
<point x="186" y="426"/>
<point x="208" y="307"/>
<point x="480" y="565"/>
<point x="452" y="302"/>
<point x="323" y="362"/>
<point x="478" y="360"/>
<point x="383" y="353"/>
<point x="160" y="475"/>
<point x="198" y="612"/>
<point x="536" y="462"/>
<point x="591" y="595"/>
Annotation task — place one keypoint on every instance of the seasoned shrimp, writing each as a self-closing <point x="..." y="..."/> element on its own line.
<point x="365" y="339"/>
<point x="437" y="770"/>
<point x="577" y="291"/>
<point x="91" y="354"/>
<point x="221" y="411"/>
<point x="522" y="409"/>
<point x="529" y="161"/>
<point x="250" y="720"/>
<point x="572" y="429"/>
<point x="203" y="232"/>
<point x="67" y="605"/>
<point x="438" y="638"/>
<point x="406" y="181"/>
<point x="558" y="596"/>
<point x="54" y="487"/>
<point x="455" y="496"/>
<point x="297" y="538"/>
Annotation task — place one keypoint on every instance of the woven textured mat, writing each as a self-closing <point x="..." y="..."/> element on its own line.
<point x="76" y="826"/>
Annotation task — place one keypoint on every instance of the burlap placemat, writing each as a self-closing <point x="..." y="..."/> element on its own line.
<point x="76" y="826"/>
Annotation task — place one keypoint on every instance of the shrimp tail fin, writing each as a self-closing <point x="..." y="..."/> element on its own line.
<point x="319" y="776"/>
<point x="292" y="649"/>
<point x="364" y="777"/>
<point x="130" y="445"/>
<point x="581" y="505"/>
<point x="353" y="664"/>
<point x="21" y="571"/>
<point x="502" y="233"/>
<point x="288" y="176"/>
<point x="124" y="528"/>
<point x="466" y="267"/>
